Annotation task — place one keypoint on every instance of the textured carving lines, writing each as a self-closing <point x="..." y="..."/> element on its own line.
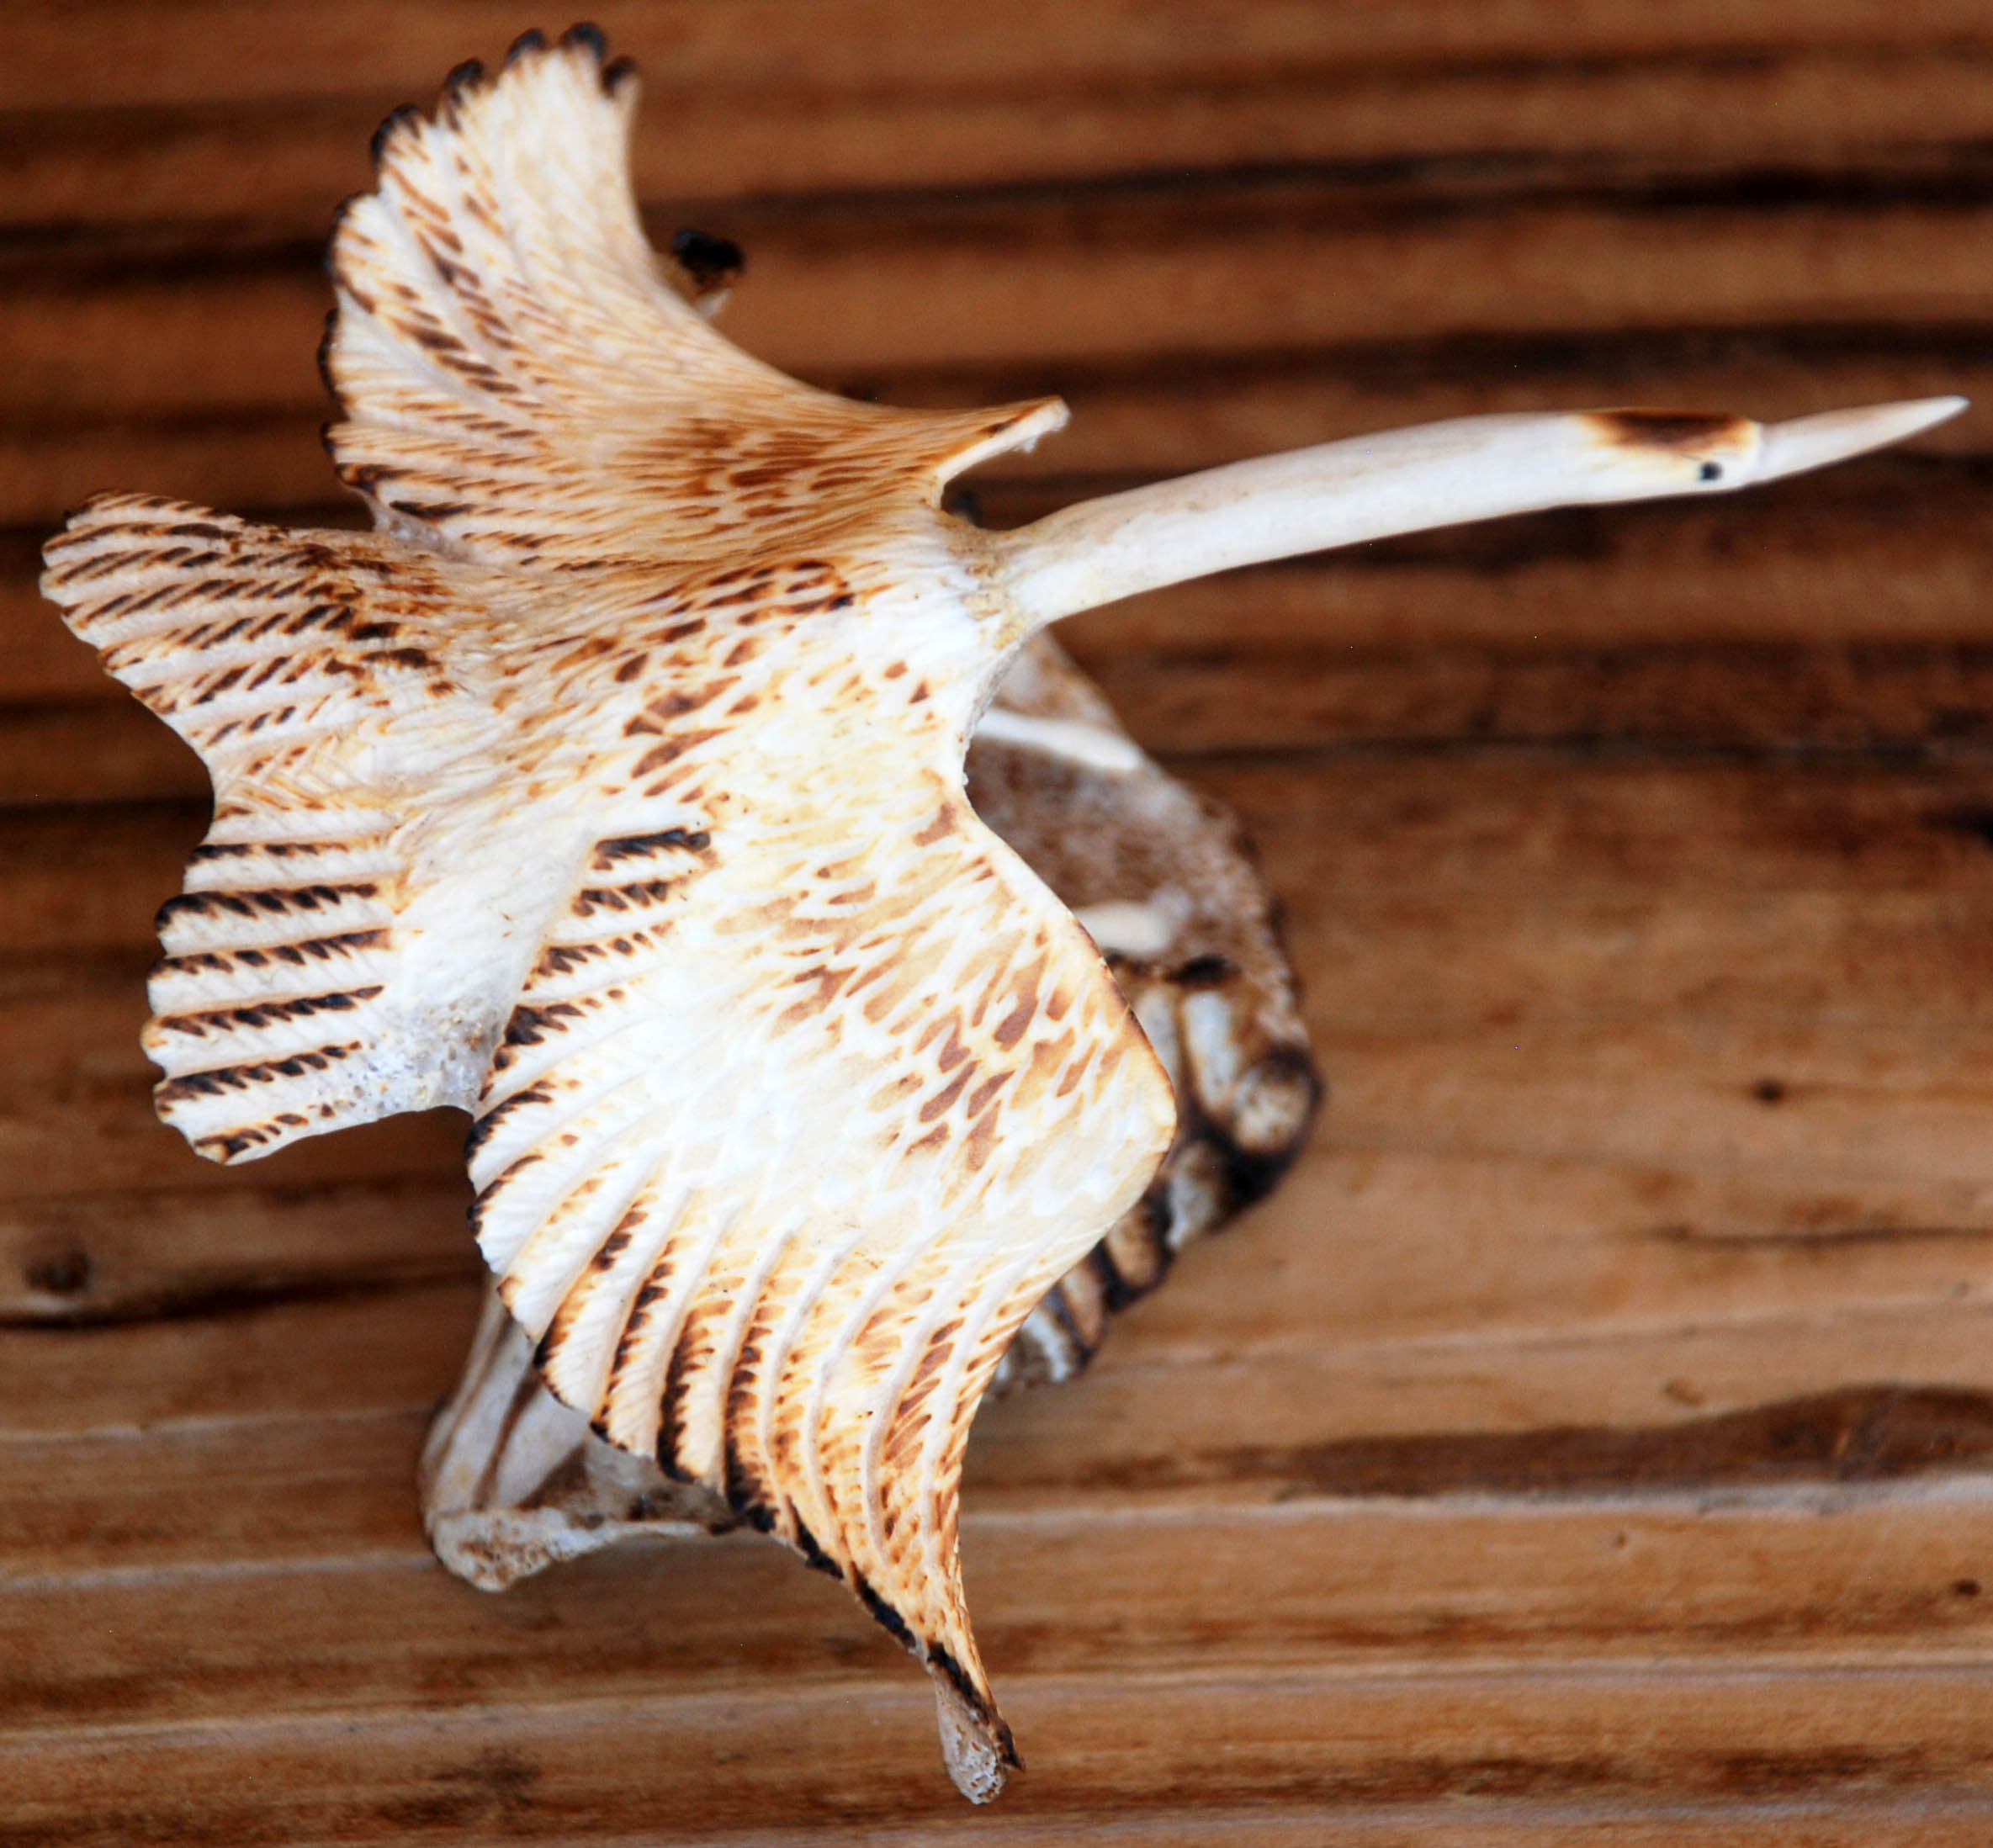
<point x="614" y="789"/>
<point x="501" y="353"/>
<point x="759" y="1316"/>
<point x="259" y="647"/>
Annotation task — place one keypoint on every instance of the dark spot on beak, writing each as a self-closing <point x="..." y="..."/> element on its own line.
<point x="1673" y="432"/>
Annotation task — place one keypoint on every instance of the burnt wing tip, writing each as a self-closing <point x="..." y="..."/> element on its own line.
<point x="529" y="43"/>
<point x="888" y="1618"/>
<point x="466" y="78"/>
<point x="1674" y="431"/>
<point x="407" y="118"/>
<point x="585" y="35"/>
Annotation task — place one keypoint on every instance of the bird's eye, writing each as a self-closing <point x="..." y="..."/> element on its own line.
<point x="1709" y="471"/>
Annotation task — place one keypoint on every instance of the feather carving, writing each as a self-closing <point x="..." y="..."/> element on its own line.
<point x="613" y="790"/>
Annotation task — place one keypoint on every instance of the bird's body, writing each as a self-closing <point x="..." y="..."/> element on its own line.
<point x="776" y="1053"/>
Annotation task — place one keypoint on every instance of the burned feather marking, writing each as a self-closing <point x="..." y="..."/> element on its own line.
<point x="1673" y="432"/>
<point x="609" y="853"/>
<point x="888" y="944"/>
<point x="562" y="959"/>
<point x="661" y="756"/>
<point x="296" y="954"/>
<point x="533" y="1026"/>
<point x="617" y="1242"/>
<point x="487" y="1126"/>
<point x="221" y="1079"/>
<point x="264" y="902"/>
<point x="265" y="1014"/>
<point x="1010" y="1028"/>
<point x="640" y="895"/>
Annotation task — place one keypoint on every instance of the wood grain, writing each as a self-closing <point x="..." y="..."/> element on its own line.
<point x="1116" y="276"/>
<point x="124" y="51"/>
<point x="1590" y="1443"/>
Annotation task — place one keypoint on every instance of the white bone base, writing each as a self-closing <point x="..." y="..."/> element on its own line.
<point x="513" y="1482"/>
<point x="611" y="788"/>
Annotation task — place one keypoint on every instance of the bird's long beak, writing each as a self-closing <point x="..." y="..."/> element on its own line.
<point x="1833" y="435"/>
<point x="1408" y="480"/>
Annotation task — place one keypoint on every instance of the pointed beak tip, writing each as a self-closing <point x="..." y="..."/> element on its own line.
<point x="1917" y="414"/>
<point x="1835" y="436"/>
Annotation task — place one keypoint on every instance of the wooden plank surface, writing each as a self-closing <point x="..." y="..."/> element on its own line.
<point x="1594" y="1440"/>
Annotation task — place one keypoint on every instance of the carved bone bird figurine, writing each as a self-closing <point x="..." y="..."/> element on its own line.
<point x="612" y="789"/>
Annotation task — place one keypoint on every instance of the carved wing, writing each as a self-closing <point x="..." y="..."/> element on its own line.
<point x="321" y="676"/>
<point x="518" y="375"/>
<point x="781" y="1149"/>
<point x="627" y="763"/>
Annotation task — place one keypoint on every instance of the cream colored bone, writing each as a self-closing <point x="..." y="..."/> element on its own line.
<point x="612" y="788"/>
<point x="1402" y="481"/>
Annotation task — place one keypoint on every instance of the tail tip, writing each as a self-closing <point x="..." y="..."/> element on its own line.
<point x="979" y="1750"/>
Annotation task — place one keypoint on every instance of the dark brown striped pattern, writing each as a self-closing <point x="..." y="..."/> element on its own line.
<point x="641" y="791"/>
<point x="273" y="654"/>
<point x="1587" y="1442"/>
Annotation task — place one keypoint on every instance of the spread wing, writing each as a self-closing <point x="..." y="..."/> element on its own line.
<point x="316" y="674"/>
<point x="780" y="1150"/>
<point x="615" y="791"/>
<point x="785" y="1122"/>
<point x="518" y="375"/>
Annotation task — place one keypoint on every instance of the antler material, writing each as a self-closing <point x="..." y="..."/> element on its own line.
<point x="1402" y="481"/>
<point x="612" y="789"/>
